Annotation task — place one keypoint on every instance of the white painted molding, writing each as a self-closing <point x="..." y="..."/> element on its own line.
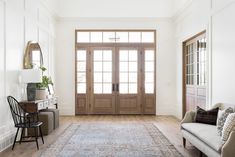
<point x="50" y="10"/>
<point x="181" y="11"/>
<point x="209" y="63"/>
<point x="218" y="9"/>
<point x="114" y="18"/>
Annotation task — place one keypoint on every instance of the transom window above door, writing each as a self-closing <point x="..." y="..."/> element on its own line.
<point x="115" y="36"/>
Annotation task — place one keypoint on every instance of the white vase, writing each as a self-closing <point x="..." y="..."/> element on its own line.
<point x="41" y="94"/>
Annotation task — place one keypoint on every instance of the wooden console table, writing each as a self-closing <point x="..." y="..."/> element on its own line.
<point x="37" y="105"/>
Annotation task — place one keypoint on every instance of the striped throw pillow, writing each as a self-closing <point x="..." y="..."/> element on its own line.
<point x="228" y="127"/>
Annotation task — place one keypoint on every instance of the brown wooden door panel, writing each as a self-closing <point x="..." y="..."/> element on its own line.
<point x="81" y="107"/>
<point x="149" y="106"/>
<point x="103" y="104"/>
<point x="129" y="104"/>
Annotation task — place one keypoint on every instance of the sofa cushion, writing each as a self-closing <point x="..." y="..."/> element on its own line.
<point x="222" y="115"/>
<point x="206" y="133"/>
<point x="228" y="126"/>
<point x="207" y="117"/>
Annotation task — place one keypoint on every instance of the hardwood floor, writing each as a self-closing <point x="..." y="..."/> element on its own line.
<point x="168" y="125"/>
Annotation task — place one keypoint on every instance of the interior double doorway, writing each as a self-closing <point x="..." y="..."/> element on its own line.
<point x="115" y="72"/>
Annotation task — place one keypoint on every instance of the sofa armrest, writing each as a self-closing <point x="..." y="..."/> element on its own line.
<point x="189" y="117"/>
<point x="228" y="148"/>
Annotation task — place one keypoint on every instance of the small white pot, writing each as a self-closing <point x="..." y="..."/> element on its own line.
<point x="41" y="94"/>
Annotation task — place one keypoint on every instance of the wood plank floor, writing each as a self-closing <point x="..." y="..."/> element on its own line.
<point x="168" y="125"/>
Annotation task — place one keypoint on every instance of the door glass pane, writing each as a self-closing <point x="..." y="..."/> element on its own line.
<point x="121" y="37"/>
<point x="132" y="88"/>
<point x="81" y="55"/>
<point x="107" y="66"/>
<point x="107" y="88"/>
<point x="107" y="77"/>
<point x="147" y="37"/>
<point x="134" y="37"/>
<point x="81" y="88"/>
<point x="123" y="66"/>
<point x="98" y="77"/>
<point x="123" y="55"/>
<point x="149" y="88"/>
<point x="81" y="66"/>
<point x="107" y="55"/>
<point x="149" y="55"/>
<point x="123" y="77"/>
<point x="133" y="77"/>
<point x="81" y="77"/>
<point x="149" y="66"/>
<point x="83" y="37"/>
<point x="98" y="66"/>
<point x="132" y="66"/>
<point x="98" y="55"/>
<point x="149" y="77"/>
<point x="96" y="37"/>
<point x="98" y="88"/>
<point x="123" y="88"/>
<point x="133" y="55"/>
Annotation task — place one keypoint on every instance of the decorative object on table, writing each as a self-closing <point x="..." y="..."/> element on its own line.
<point x="42" y="88"/>
<point x="31" y="77"/>
<point x="111" y="139"/>
<point x="33" y="57"/>
<point x="51" y="89"/>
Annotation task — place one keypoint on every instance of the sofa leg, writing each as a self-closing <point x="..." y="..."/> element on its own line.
<point x="201" y="154"/>
<point x="184" y="142"/>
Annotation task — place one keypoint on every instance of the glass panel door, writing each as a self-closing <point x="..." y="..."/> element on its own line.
<point x="128" y="81"/>
<point x="102" y="71"/>
<point x="81" y="81"/>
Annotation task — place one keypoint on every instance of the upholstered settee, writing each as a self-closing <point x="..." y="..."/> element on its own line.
<point x="205" y="136"/>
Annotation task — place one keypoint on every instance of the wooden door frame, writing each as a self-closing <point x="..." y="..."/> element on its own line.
<point x="91" y="45"/>
<point x="184" y="70"/>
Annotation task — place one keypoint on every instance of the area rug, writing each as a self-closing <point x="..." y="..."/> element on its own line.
<point x="111" y="140"/>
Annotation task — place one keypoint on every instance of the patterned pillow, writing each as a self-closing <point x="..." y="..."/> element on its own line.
<point x="207" y="117"/>
<point x="222" y="115"/>
<point x="228" y="126"/>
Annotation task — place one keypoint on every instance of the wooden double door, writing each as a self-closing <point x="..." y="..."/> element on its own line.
<point x="195" y="73"/>
<point x="115" y="80"/>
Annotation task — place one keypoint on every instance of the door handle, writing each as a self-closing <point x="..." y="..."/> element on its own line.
<point x="117" y="87"/>
<point x="113" y="87"/>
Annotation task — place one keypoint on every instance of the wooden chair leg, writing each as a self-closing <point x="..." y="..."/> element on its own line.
<point x="36" y="137"/>
<point x="184" y="142"/>
<point x="15" y="139"/>
<point x="41" y="134"/>
<point x="21" y="136"/>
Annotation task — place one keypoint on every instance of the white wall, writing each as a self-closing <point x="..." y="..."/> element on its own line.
<point x="223" y="52"/>
<point x="115" y="8"/>
<point x="214" y="16"/>
<point x="20" y="21"/>
<point x="65" y="57"/>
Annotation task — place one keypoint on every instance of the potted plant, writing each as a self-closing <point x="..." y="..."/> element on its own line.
<point x="42" y="88"/>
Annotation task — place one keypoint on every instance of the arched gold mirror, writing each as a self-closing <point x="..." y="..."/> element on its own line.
<point x="33" y="57"/>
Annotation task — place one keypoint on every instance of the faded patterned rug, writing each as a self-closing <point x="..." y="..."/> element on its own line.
<point x="111" y="140"/>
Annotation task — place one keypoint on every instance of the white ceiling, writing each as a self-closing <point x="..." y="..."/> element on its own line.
<point x="116" y="8"/>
